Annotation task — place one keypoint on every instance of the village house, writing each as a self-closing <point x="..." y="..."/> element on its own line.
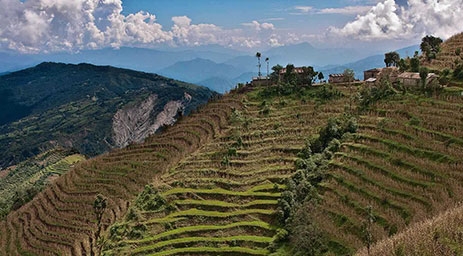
<point x="336" y="78"/>
<point x="411" y="79"/>
<point x="371" y="75"/>
<point x="260" y="80"/>
<point x="297" y="70"/>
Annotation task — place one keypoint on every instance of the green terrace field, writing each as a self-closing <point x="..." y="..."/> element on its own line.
<point x="223" y="199"/>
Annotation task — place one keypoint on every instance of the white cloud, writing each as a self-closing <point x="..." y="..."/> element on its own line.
<point x="259" y="26"/>
<point x="387" y="20"/>
<point x="359" y="9"/>
<point x="303" y="9"/>
<point x="274" y="19"/>
<point x="274" y="41"/>
<point x="64" y="25"/>
<point x="442" y="18"/>
<point x="53" y="25"/>
<point x="185" y="33"/>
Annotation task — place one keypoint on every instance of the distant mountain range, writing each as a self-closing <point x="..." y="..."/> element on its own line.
<point x="75" y="106"/>
<point x="375" y="61"/>
<point x="305" y="54"/>
<point x="213" y="66"/>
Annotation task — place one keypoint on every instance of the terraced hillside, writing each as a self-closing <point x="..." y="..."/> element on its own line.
<point x="213" y="183"/>
<point x="404" y="165"/>
<point x="22" y="182"/>
<point x="450" y="55"/>
<point x="223" y="199"/>
<point x="61" y="219"/>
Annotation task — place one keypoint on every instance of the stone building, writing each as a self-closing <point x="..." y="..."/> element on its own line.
<point x="412" y="79"/>
<point x="336" y="78"/>
<point x="371" y="73"/>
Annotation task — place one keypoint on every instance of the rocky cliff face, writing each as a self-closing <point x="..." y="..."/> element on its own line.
<point x="135" y="123"/>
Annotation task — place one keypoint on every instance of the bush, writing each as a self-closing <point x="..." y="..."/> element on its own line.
<point x="306" y="237"/>
<point x="150" y="199"/>
<point x="371" y="94"/>
<point x="458" y="72"/>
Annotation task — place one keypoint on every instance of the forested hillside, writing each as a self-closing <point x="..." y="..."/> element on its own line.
<point x="73" y="106"/>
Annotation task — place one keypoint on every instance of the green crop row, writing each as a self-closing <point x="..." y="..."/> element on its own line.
<point x="189" y="229"/>
<point x="206" y="250"/>
<point x="384" y="171"/>
<point x="396" y="161"/>
<point x="431" y="155"/>
<point x="219" y="191"/>
<point x="187" y="240"/>
<point x="214" y="214"/>
<point x="393" y="191"/>
<point x="223" y="204"/>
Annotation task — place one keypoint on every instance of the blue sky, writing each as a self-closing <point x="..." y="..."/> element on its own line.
<point x="37" y="26"/>
<point x="285" y="15"/>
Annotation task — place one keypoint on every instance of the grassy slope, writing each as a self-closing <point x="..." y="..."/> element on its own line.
<point x="448" y="58"/>
<point x="405" y="162"/>
<point x="439" y="126"/>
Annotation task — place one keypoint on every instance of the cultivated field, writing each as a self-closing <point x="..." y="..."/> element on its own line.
<point x="61" y="220"/>
<point x="211" y="184"/>
<point x="223" y="198"/>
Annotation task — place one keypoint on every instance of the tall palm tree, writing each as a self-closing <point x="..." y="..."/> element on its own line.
<point x="266" y="60"/>
<point x="258" y="55"/>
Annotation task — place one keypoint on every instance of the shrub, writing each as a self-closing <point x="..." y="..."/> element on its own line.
<point x="132" y="214"/>
<point x="414" y="121"/>
<point x="301" y="197"/>
<point x="458" y="72"/>
<point x="150" y="199"/>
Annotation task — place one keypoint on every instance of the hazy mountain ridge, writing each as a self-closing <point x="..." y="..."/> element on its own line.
<point x="375" y="61"/>
<point x="200" y="69"/>
<point x="174" y="62"/>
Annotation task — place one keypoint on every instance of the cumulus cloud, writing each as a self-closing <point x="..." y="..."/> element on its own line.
<point x="388" y="20"/>
<point x="274" y="41"/>
<point x="185" y="33"/>
<point x="64" y="25"/>
<point x="259" y="26"/>
<point x="53" y="25"/>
